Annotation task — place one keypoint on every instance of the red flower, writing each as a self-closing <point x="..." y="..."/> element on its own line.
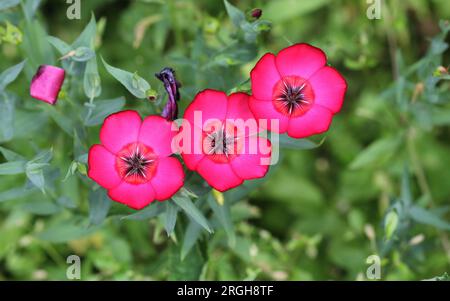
<point x="133" y="161"/>
<point x="46" y="83"/>
<point x="297" y="89"/>
<point x="220" y="140"/>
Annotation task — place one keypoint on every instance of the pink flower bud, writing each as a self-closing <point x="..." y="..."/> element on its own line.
<point x="256" y="13"/>
<point x="46" y="83"/>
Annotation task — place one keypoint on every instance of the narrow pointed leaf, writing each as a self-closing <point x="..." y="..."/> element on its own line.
<point x="191" y="236"/>
<point x="424" y="216"/>
<point x="170" y="217"/>
<point x="99" y="204"/>
<point x="191" y="210"/>
<point x="222" y="212"/>
<point x="135" y="84"/>
<point x="10" y="74"/>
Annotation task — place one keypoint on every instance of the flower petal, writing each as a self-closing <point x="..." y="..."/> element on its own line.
<point x="254" y="160"/>
<point x="157" y="133"/>
<point x="132" y="195"/>
<point x="240" y="115"/>
<point x="264" y="76"/>
<point x="168" y="178"/>
<point x="191" y="144"/>
<point x="267" y="116"/>
<point x="218" y="175"/>
<point x="329" y="88"/>
<point x="212" y="104"/>
<point x="120" y="129"/>
<point x="101" y="167"/>
<point x="47" y="83"/>
<point x="301" y="60"/>
<point x="317" y="120"/>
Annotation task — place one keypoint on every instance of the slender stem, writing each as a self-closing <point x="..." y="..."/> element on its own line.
<point x="418" y="168"/>
<point x="91" y="107"/>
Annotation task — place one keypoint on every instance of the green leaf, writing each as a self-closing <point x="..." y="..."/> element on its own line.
<point x="34" y="168"/>
<point x="236" y="15"/>
<point x="36" y="175"/>
<point x="30" y="7"/>
<point x="15" y="193"/>
<point x="65" y="123"/>
<point x="43" y="157"/>
<point x="406" y="195"/>
<point x="191" y="210"/>
<point x="187" y="268"/>
<point x="377" y="152"/>
<point x="87" y="37"/>
<point x="170" y="217"/>
<point x="36" y="47"/>
<point x="102" y="109"/>
<point x="296" y="144"/>
<point x="92" y="82"/>
<point x="70" y="171"/>
<point x="135" y="84"/>
<point x="10" y="155"/>
<point x="424" y="216"/>
<point x="99" y="204"/>
<point x="10" y="74"/>
<point x="65" y="231"/>
<point x="26" y="124"/>
<point x="191" y="235"/>
<point x="41" y="207"/>
<point x="12" y="168"/>
<point x="222" y="212"/>
<point x="235" y="54"/>
<point x="5" y="4"/>
<point x="66" y="202"/>
<point x="390" y="224"/>
<point x="7" y="114"/>
<point x="62" y="47"/>
<point x="149" y="212"/>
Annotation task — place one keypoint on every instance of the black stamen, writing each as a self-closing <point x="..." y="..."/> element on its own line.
<point x="136" y="164"/>
<point x="292" y="97"/>
<point x="220" y="142"/>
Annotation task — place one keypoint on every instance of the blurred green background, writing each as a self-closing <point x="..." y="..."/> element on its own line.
<point x="378" y="182"/>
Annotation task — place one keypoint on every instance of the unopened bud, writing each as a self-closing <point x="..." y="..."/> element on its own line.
<point x="256" y="13"/>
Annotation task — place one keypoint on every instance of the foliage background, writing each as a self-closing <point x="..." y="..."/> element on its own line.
<point x="377" y="184"/>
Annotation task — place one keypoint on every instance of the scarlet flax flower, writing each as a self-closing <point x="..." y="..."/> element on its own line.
<point x="133" y="162"/>
<point x="220" y="140"/>
<point x="46" y="83"/>
<point x="298" y="90"/>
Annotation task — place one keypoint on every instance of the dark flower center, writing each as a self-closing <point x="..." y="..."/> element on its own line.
<point x="136" y="163"/>
<point x="221" y="142"/>
<point x="293" y="96"/>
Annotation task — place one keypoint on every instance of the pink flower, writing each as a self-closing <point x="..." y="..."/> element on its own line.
<point x="220" y="140"/>
<point x="46" y="83"/>
<point x="133" y="162"/>
<point x="297" y="89"/>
